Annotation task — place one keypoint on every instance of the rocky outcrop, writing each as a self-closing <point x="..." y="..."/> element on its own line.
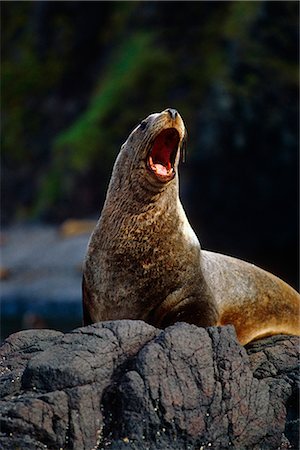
<point x="126" y="385"/>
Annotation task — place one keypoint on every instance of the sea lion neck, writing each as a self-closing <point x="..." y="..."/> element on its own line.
<point x="139" y="197"/>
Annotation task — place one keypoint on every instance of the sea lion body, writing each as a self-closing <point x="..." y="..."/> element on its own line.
<point x="257" y="303"/>
<point x="145" y="262"/>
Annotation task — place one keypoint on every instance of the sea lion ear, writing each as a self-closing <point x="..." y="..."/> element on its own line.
<point x="143" y="125"/>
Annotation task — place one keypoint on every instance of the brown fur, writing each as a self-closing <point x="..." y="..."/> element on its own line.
<point x="145" y="262"/>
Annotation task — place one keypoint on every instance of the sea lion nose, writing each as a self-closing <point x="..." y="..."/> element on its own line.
<point x="173" y="113"/>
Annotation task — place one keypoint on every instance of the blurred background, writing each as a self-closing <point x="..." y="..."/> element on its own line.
<point x="78" y="76"/>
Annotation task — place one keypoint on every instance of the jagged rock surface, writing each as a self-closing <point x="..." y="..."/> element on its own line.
<point x="126" y="385"/>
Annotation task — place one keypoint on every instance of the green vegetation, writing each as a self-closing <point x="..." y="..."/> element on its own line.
<point x="87" y="134"/>
<point x="76" y="78"/>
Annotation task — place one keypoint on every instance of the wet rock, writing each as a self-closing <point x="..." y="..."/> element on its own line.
<point x="125" y="384"/>
<point x="76" y="227"/>
<point x="5" y="273"/>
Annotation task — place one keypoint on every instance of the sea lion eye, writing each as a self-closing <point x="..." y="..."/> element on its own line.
<point x="143" y="124"/>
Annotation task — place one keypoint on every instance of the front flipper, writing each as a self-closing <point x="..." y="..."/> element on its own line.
<point x="193" y="311"/>
<point x="198" y="308"/>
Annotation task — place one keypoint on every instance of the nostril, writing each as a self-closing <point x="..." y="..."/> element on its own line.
<point x="173" y="113"/>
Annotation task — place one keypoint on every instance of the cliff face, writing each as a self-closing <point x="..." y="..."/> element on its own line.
<point x="125" y="384"/>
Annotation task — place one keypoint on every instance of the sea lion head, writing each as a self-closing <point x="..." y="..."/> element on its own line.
<point x="154" y="147"/>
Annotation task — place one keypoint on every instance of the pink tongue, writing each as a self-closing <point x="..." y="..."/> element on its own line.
<point x="161" y="170"/>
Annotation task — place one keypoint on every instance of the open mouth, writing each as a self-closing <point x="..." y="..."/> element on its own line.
<point x="161" y="158"/>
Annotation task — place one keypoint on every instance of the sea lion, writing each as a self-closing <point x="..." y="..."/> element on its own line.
<point x="145" y="262"/>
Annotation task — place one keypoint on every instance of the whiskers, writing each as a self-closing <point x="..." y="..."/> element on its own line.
<point x="183" y="147"/>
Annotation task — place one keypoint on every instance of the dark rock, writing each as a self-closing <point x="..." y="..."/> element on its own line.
<point x="127" y="385"/>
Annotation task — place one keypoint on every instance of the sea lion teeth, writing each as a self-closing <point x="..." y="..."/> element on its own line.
<point x="145" y="262"/>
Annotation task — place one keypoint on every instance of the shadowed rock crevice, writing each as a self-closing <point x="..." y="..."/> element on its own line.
<point x="125" y="384"/>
